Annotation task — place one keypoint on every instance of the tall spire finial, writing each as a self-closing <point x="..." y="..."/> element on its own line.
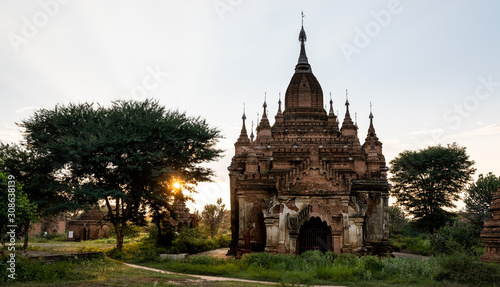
<point x="346" y="97"/>
<point x="331" y="105"/>
<point x="251" y="134"/>
<point x="243" y="134"/>
<point x="371" y="114"/>
<point x="371" y="129"/>
<point x="303" y="64"/>
<point x="302" y="17"/>
<point x="265" y="104"/>
<point x="279" y="104"/>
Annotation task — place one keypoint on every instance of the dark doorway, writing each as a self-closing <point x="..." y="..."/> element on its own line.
<point x="315" y="235"/>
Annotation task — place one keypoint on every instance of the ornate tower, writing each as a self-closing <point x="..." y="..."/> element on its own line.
<point x="304" y="183"/>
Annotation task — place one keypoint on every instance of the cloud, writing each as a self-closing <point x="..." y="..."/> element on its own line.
<point x="426" y="132"/>
<point x="9" y="133"/>
<point x="26" y="109"/>
<point x="492" y="129"/>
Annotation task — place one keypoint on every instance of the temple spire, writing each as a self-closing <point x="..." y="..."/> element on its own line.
<point x="264" y="122"/>
<point x="303" y="64"/>
<point x="279" y="104"/>
<point x="371" y="129"/>
<point x="331" y="105"/>
<point x="347" y="114"/>
<point x="265" y="104"/>
<point x="347" y="124"/>
<point x="251" y="135"/>
<point x="243" y="135"/>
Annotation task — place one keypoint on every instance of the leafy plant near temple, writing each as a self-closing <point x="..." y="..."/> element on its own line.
<point x="479" y="196"/>
<point x="212" y="216"/>
<point x="459" y="236"/>
<point x="23" y="210"/>
<point x="125" y="156"/>
<point x="427" y="181"/>
<point x="35" y="173"/>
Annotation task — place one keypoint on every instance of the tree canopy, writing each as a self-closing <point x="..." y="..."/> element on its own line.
<point x="124" y="156"/>
<point x="212" y="216"/>
<point x="427" y="181"/>
<point x="479" y="195"/>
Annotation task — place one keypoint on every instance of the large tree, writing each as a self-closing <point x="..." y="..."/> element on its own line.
<point x="478" y="197"/>
<point x="16" y="210"/>
<point x="122" y="156"/>
<point x="427" y="181"/>
<point x="212" y="216"/>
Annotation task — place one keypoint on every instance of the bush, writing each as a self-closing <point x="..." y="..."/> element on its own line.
<point x="463" y="268"/>
<point x="397" y="220"/>
<point x="459" y="236"/>
<point x="194" y="240"/>
<point x="418" y="245"/>
<point x="131" y="231"/>
<point x="38" y="271"/>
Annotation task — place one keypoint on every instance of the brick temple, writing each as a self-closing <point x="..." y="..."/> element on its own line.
<point x="306" y="182"/>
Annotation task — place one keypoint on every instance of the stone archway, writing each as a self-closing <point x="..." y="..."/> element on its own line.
<point x="315" y="235"/>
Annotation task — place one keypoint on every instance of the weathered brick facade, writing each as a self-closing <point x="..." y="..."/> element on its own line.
<point x="304" y="183"/>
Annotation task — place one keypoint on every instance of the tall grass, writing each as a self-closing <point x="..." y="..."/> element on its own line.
<point x="314" y="267"/>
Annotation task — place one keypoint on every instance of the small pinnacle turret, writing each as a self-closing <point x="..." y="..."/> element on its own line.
<point x="347" y="124"/>
<point x="243" y="134"/>
<point x="371" y="130"/>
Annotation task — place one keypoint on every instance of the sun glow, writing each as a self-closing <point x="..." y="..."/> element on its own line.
<point x="177" y="185"/>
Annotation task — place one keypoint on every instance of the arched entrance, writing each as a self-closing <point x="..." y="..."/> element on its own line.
<point x="315" y="235"/>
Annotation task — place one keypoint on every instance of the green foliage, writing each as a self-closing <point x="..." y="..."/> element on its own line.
<point x="212" y="216"/>
<point x="35" y="171"/>
<point x="125" y="155"/>
<point x="194" y="240"/>
<point x="429" y="180"/>
<point x="13" y="198"/>
<point x="131" y="231"/>
<point x="462" y="268"/>
<point x="188" y="240"/>
<point x="412" y="244"/>
<point x="37" y="271"/>
<point x="460" y="236"/>
<point x="397" y="220"/>
<point x="478" y="197"/>
<point x="312" y="267"/>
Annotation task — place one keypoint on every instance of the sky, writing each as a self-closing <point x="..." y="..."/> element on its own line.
<point x="430" y="69"/>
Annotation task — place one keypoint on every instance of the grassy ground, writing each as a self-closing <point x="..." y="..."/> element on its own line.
<point x="107" y="272"/>
<point x="286" y="270"/>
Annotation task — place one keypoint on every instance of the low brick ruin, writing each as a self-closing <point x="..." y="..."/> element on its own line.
<point x="491" y="232"/>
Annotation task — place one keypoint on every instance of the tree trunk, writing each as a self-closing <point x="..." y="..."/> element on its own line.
<point x="26" y="239"/>
<point x="119" y="235"/>
<point x="158" y="235"/>
<point x="26" y="236"/>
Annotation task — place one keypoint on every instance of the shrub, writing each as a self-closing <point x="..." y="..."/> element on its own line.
<point x="397" y="220"/>
<point x="463" y="268"/>
<point x="414" y="244"/>
<point x="193" y="240"/>
<point x="130" y="230"/>
<point x="38" y="271"/>
<point x="459" y="236"/>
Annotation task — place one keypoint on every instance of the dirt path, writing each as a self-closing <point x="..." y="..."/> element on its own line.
<point x="409" y="255"/>
<point x="215" y="278"/>
<point x="221" y="253"/>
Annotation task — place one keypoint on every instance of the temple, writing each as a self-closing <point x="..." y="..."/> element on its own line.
<point x="305" y="182"/>
<point x="491" y="232"/>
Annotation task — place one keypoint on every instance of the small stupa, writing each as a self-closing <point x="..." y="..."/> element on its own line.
<point x="491" y="232"/>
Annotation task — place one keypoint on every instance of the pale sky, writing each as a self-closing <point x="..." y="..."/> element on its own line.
<point x="430" y="68"/>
